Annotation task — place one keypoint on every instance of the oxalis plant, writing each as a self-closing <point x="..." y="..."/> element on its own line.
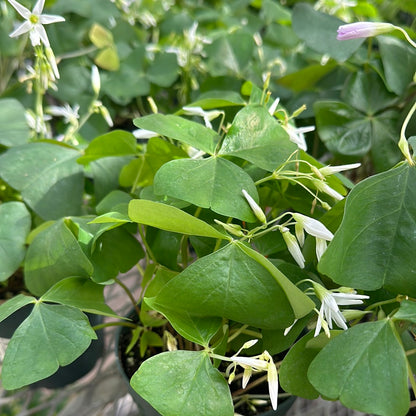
<point x="256" y="256"/>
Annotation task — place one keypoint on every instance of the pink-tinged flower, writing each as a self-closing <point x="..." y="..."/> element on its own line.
<point x="363" y="30"/>
<point x="34" y="21"/>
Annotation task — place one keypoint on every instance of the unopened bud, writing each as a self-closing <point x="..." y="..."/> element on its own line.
<point x="258" y="212"/>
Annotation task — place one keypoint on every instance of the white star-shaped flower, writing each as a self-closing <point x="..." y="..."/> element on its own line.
<point x="330" y="311"/>
<point x="34" y="21"/>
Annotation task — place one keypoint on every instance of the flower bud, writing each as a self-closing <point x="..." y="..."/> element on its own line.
<point x="363" y="30"/>
<point x="95" y="80"/>
<point x="258" y="212"/>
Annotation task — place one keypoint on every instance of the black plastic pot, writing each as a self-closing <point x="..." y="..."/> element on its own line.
<point x="145" y="409"/>
<point x="70" y="373"/>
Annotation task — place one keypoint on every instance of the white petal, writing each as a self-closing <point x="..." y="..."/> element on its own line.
<point x="46" y="19"/>
<point x="251" y="362"/>
<point x="294" y="249"/>
<point x="23" y="28"/>
<point x="330" y="170"/>
<point x="258" y="212"/>
<point x="313" y="227"/>
<point x="246" y="376"/>
<point x="25" y="13"/>
<point x="37" y="10"/>
<point x="35" y="37"/>
<point x="144" y="134"/>
<point x="320" y="247"/>
<point x="273" y="382"/>
<point x="41" y="33"/>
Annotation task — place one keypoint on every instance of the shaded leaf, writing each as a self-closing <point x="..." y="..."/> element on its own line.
<point x="80" y="293"/>
<point x="51" y="336"/>
<point x="115" y="143"/>
<point x="376" y="241"/>
<point x="15" y="222"/>
<point x="14" y="130"/>
<point x="48" y="177"/>
<point x="374" y="370"/>
<point x="319" y="31"/>
<point x="53" y="255"/>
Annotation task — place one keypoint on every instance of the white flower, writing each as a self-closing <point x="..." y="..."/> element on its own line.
<point x="144" y="134"/>
<point x="293" y="247"/>
<point x="258" y="212"/>
<point x="37" y="123"/>
<point x="329" y="310"/>
<point x="312" y="226"/>
<point x="206" y="115"/>
<point x="331" y="170"/>
<point x="297" y="136"/>
<point x="326" y="189"/>
<point x="69" y="114"/>
<point x="34" y="21"/>
<point x="272" y="108"/>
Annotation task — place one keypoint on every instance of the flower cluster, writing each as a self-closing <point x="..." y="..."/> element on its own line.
<point x="329" y="310"/>
<point x="262" y="362"/>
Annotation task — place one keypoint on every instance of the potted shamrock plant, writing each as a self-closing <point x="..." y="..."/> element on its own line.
<point x="260" y="263"/>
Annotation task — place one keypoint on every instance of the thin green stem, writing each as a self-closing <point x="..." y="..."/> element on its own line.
<point x="403" y="144"/>
<point x="406" y="36"/>
<point x="129" y="294"/>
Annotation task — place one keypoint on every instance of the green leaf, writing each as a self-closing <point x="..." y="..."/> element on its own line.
<point x="193" y="328"/>
<point x="319" y="32"/>
<point x="115" y="201"/>
<point x="191" y="385"/>
<point x="230" y="53"/>
<point x="217" y="99"/>
<point x="178" y="128"/>
<point x="406" y="312"/>
<point x="293" y="371"/>
<point x="230" y="284"/>
<point x="258" y="137"/>
<point x="130" y="80"/>
<point x="213" y="182"/>
<point x="48" y="177"/>
<point x="113" y="252"/>
<point x="15" y="222"/>
<point x="164" y="70"/>
<point x="51" y="336"/>
<point x="342" y="128"/>
<point x="399" y="63"/>
<point x="349" y="132"/>
<point x="14" y="130"/>
<point x="376" y="241"/>
<point x="14" y="304"/>
<point x="80" y="293"/>
<point x="169" y="218"/>
<point x="53" y="255"/>
<point x="366" y="92"/>
<point x="141" y="171"/>
<point x="105" y="173"/>
<point x="307" y="77"/>
<point x="373" y="378"/>
<point x="115" y="143"/>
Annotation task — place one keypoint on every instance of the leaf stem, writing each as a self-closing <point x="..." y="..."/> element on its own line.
<point x="129" y="294"/>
